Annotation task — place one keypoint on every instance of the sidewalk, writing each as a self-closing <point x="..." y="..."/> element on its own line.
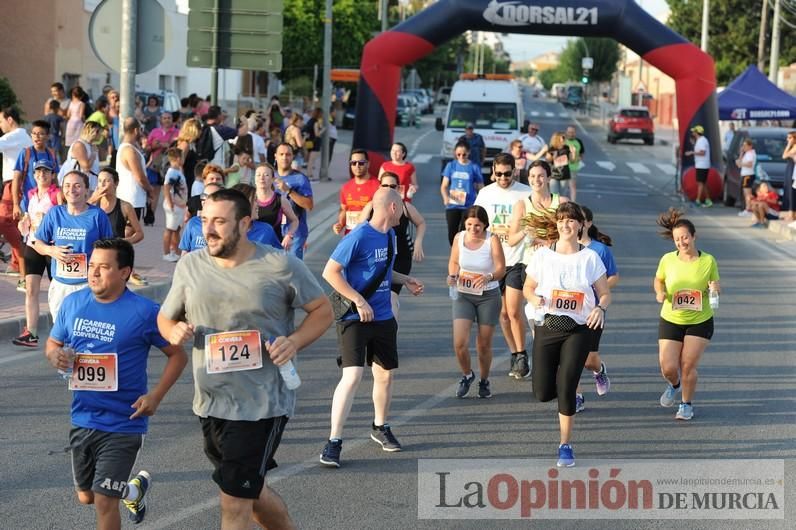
<point x="148" y="255"/>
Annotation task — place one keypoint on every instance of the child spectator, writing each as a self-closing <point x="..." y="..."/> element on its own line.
<point x="765" y="205"/>
<point x="241" y="172"/>
<point x="56" y="121"/>
<point x="174" y="202"/>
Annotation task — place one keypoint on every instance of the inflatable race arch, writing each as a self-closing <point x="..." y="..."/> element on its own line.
<point x="623" y="20"/>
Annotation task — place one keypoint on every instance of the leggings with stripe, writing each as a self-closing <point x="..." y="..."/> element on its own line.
<point x="558" y="360"/>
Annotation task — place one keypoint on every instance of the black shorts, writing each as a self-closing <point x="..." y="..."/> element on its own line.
<point x="402" y="264"/>
<point x="594" y="339"/>
<point x="242" y="452"/>
<point x="368" y="341"/>
<point x="702" y="175"/>
<point x="514" y="277"/>
<point x="35" y="263"/>
<point x="103" y="461"/>
<point x="747" y="181"/>
<point x="670" y="331"/>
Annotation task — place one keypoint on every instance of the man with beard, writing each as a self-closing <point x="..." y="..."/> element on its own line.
<point x="235" y="302"/>
<point x="112" y="330"/>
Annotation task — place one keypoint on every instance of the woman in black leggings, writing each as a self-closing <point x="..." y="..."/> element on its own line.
<point x="561" y="284"/>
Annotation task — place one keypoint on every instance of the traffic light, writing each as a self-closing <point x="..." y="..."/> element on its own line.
<point x="585" y="78"/>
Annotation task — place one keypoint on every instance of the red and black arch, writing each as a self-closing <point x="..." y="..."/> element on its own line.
<point x="385" y="55"/>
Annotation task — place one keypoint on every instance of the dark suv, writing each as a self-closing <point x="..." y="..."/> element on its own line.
<point x="769" y="143"/>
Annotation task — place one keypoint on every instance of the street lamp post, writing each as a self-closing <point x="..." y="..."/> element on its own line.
<point x="705" y="22"/>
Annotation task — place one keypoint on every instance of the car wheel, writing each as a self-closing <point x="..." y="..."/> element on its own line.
<point x="650" y="140"/>
<point x="611" y="139"/>
<point x="727" y="199"/>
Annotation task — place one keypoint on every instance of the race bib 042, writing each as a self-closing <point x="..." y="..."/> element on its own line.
<point x="687" y="299"/>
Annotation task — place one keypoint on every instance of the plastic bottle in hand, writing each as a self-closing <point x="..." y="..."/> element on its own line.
<point x="288" y="372"/>
<point x="713" y="297"/>
<point x="539" y="312"/>
<point x="67" y="374"/>
<point x="453" y="292"/>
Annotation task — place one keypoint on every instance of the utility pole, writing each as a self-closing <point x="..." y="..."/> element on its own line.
<point x="761" y="39"/>
<point x="326" y="95"/>
<point x="705" y="23"/>
<point x="773" y="64"/>
<point x="214" y="61"/>
<point x="128" y="60"/>
<point x="383" y="10"/>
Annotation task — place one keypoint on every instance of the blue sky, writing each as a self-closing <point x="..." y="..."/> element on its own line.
<point x="524" y="47"/>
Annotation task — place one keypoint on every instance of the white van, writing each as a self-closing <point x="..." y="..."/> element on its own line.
<point x="494" y="107"/>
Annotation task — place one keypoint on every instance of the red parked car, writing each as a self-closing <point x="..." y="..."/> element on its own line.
<point x="631" y="122"/>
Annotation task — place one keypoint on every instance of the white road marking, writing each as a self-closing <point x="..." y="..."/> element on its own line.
<point x="610" y="166"/>
<point x="603" y="176"/>
<point x="422" y="159"/>
<point x="417" y="142"/>
<point x="549" y="114"/>
<point x="19" y="356"/>
<point x="612" y="192"/>
<point x="534" y="113"/>
<point x="669" y="169"/>
<point x="637" y="167"/>
<point x="563" y="114"/>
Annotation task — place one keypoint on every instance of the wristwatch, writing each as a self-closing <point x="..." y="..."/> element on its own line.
<point x="604" y="309"/>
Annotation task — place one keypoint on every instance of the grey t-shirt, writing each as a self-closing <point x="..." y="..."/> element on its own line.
<point x="260" y="294"/>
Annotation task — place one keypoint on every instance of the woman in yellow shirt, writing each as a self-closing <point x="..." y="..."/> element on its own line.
<point x="683" y="283"/>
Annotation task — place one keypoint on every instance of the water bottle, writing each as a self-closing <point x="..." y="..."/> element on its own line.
<point x="66" y="375"/>
<point x="714" y="299"/>
<point x="539" y="313"/>
<point x="453" y="292"/>
<point x="410" y="192"/>
<point x="288" y="372"/>
<point x="290" y="376"/>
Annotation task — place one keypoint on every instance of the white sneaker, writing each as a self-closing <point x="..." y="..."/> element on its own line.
<point x="744" y="213"/>
<point x="170" y="257"/>
<point x="792" y="224"/>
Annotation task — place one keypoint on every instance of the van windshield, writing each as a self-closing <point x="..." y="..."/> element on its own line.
<point x="483" y="115"/>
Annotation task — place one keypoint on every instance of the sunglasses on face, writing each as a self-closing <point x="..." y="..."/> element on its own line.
<point x="462" y="154"/>
<point x="499" y="174"/>
<point x="392" y="186"/>
<point x="358" y="162"/>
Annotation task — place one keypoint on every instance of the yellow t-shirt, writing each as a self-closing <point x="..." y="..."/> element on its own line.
<point x="687" y="287"/>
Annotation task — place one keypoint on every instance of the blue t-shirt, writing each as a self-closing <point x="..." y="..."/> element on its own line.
<point x="299" y="182"/>
<point x="193" y="239"/>
<point x="126" y="327"/>
<point x="29" y="182"/>
<point x="463" y="178"/>
<point x="61" y="228"/>
<point x="607" y="257"/>
<point x="363" y="255"/>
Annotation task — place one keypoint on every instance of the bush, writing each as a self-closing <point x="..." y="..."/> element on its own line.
<point x="7" y="95"/>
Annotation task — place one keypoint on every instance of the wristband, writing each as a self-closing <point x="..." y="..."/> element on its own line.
<point x="603" y="309"/>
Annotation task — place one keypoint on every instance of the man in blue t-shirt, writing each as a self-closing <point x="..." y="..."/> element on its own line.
<point x="67" y="234"/>
<point x="461" y="181"/>
<point x="370" y="333"/>
<point x="296" y="187"/>
<point x="28" y="157"/>
<point x="476" y="143"/>
<point x="102" y="336"/>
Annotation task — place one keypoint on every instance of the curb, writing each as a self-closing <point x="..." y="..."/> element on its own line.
<point x="781" y="228"/>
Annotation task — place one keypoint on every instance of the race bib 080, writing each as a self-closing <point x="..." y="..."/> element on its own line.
<point x="567" y="301"/>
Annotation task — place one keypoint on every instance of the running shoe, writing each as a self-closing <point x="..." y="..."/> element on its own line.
<point x="171" y="257"/>
<point x="137" y="508"/>
<point x="601" y="381"/>
<point x="137" y="279"/>
<point x="667" y="398"/>
<point x="566" y="458"/>
<point x="744" y="213"/>
<point x="513" y="368"/>
<point x="21" y="286"/>
<point x="684" y="412"/>
<point x="464" y="385"/>
<point x="331" y="453"/>
<point x="523" y="369"/>
<point x="26" y="339"/>
<point x="384" y="437"/>
<point x="707" y="204"/>
<point x="483" y="389"/>
<point x="580" y="403"/>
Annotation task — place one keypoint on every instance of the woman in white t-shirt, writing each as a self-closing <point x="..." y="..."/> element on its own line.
<point x="561" y="282"/>
<point x="475" y="267"/>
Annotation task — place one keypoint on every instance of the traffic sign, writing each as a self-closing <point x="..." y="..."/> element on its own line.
<point x="152" y="37"/>
<point x="247" y="33"/>
<point x="587" y="63"/>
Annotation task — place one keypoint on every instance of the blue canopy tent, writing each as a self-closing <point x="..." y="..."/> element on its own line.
<point x="751" y="96"/>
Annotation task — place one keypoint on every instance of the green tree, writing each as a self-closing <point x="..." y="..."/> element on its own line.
<point x="439" y="67"/>
<point x="7" y="95"/>
<point x="733" y="34"/>
<point x="605" y="53"/>
<point x="550" y="76"/>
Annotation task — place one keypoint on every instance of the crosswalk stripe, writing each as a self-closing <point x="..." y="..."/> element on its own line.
<point x="637" y="167"/>
<point x="422" y="159"/>
<point x="563" y="114"/>
<point x="603" y="176"/>
<point x="601" y="191"/>
<point x="549" y="114"/>
<point x="669" y="169"/>
<point x="534" y="113"/>
<point x="610" y="166"/>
